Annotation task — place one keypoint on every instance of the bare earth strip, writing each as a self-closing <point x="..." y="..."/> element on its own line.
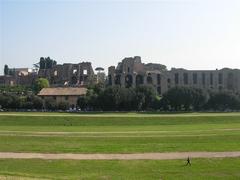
<point x="114" y="132"/>
<point x="137" y="156"/>
<point x="121" y="115"/>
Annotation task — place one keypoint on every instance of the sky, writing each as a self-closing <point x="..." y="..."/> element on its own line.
<point x="191" y="34"/>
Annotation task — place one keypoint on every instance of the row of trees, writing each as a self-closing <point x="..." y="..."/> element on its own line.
<point x="142" y="98"/>
<point x="30" y="102"/>
<point x="145" y="98"/>
<point x="13" y="101"/>
<point x="117" y="98"/>
<point x="23" y="97"/>
<point x="182" y="98"/>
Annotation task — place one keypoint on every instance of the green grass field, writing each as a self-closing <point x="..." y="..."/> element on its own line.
<point x="120" y="133"/>
<point x="201" y="169"/>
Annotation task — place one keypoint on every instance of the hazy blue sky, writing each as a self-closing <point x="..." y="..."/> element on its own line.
<point x="197" y="34"/>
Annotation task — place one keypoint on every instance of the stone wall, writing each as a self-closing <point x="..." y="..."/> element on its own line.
<point x="131" y="72"/>
<point x="69" y="74"/>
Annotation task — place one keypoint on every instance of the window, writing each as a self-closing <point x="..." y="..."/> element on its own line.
<point x="75" y="71"/>
<point x="203" y="78"/>
<point x="118" y="79"/>
<point x="109" y="79"/>
<point x="66" y="98"/>
<point x="211" y="78"/>
<point x="176" y="78"/>
<point x="185" y="78"/>
<point x="169" y="80"/>
<point x="194" y="78"/>
<point x="55" y="73"/>
<point x="230" y="81"/>
<point x="159" y="79"/>
<point x="159" y="90"/>
<point x="149" y="80"/>
<point x="220" y="78"/>
<point x="128" y="69"/>
<point x="85" y="72"/>
<point x="128" y="81"/>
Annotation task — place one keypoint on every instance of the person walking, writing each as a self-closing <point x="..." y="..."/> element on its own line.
<point x="188" y="162"/>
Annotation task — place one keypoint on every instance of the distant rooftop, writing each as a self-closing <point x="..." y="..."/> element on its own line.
<point x="69" y="91"/>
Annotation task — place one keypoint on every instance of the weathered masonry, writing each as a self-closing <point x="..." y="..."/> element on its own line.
<point x="131" y="72"/>
<point x="69" y="74"/>
<point x="66" y="74"/>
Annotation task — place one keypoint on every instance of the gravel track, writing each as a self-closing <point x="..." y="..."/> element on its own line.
<point x="136" y="156"/>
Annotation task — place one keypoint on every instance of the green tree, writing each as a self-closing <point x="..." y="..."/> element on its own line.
<point x="63" y="106"/>
<point x="39" y="84"/>
<point x="10" y="101"/>
<point x="82" y="102"/>
<point x="47" y="63"/>
<point x="145" y="97"/>
<point x="183" y="98"/>
<point x="50" y="104"/>
<point x="223" y="101"/>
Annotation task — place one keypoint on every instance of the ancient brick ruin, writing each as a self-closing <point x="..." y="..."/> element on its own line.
<point x="131" y="72"/>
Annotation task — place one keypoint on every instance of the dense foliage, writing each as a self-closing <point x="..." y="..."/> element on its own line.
<point x="47" y="63"/>
<point x="223" y="101"/>
<point x="182" y="98"/>
<point x="39" y="84"/>
<point x="116" y="98"/>
<point x="13" y="101"/>
<point x="144" y="98"/>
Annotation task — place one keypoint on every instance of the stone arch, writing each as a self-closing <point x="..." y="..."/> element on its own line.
<point x="230" y="81"/>
<point x="139" y="80"/>
<point x="159" y="90"/>
<point x="118" y="79"/>
<point x="110" y="79"/>
<point x="149" y="79"/>
<point x="128" y="80"/>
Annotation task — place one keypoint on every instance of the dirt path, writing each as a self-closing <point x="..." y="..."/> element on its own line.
<point x="137" y="156"/>
<point x="46" y="114"/>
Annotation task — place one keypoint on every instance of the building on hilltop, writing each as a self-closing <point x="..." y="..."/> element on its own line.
<point x="131" y="72"/>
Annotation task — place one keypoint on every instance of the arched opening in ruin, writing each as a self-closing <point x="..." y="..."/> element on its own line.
<point x="110" y="79"/>
<point x="230" y="81"/>
<point x="55" y="73"/>
<point x="85" y="72"/>
<point x="159" y="90"/>
<point x="139" y="80"/>
<point x="149" y="79"/>
<point x="118" y="79"/>
<point x="75" y="71"/>
<point x="158" y="79"/>
<point x="128" y="81"/>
